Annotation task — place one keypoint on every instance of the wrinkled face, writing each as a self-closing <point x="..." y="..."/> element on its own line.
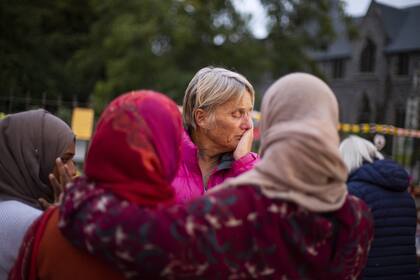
<point x="228" y="123"/>
<point x="67" y="158"/>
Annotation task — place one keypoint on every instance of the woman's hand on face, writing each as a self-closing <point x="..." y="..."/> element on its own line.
<point x="58" y="184"/>
<point x="245" y="144"/>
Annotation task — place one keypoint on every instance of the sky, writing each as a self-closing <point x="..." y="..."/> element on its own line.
<point x="353" y="8"/>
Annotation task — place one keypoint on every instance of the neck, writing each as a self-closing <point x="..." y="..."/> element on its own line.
<point x="208" y="155"/>
<point x="207" y="151"/>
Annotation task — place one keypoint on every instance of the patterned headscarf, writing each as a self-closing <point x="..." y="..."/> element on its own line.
<point x="299" y="146"/>
<point x="29" y="144"/>
<point x="135" y="151"/>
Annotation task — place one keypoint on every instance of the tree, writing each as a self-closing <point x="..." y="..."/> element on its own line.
<point x="96" y="50"/>
<point x="37" y="39"/>
<point x="294" y="27"/>
<point x="161" y="44"/>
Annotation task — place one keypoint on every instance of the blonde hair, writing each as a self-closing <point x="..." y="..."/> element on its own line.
<point x="355" y="150"/>
<point x="209" y="88"/>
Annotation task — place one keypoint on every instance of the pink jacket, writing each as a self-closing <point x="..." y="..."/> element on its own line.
<point x="188" y="183"/>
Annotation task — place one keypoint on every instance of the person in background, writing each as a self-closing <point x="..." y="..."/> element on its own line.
<point x="383" y="185"/>
<point x="288" y="218"/>
<point x="219" y="132"/>
<point x="135" y="152"/>
<point x="30" y="143"/>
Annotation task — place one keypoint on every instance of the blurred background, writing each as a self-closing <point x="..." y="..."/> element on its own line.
<point x="73" y="56"/>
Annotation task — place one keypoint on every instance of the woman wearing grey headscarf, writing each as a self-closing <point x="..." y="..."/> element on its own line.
<point x="30" y="143"/>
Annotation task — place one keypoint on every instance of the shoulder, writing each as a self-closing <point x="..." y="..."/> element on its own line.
<point x="243" y="198"/>
<point x="356" y="189"/>
<point x="187" y="145"/>
<point x="15" y="219"/>
<point x="357" y="212"/>
<point x="356" y="221"/>
<point x="17" y="211"/>
<point x="189" y="160"/>
<point x="16" y="216"/>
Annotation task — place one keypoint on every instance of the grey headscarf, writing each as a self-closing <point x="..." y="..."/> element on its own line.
<point x="29" y="144"/>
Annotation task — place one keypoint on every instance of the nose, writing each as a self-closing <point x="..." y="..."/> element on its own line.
<point x="246" y="122"/>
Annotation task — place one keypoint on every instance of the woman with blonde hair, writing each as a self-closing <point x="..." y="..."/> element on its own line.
<point x="288" y="218"/>
<point x="219" y="132"/>
<point x="383" y="184"/>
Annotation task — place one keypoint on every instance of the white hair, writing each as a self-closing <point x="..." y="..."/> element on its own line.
<point x="211" y="87"/>
<point x="356" y="150"/>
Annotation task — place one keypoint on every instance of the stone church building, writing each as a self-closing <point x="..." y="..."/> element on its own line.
<point x="373" y="75"/>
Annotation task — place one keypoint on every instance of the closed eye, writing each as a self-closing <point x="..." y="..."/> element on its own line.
<point x="237" y="114"/>
<point x="67" y="157"/>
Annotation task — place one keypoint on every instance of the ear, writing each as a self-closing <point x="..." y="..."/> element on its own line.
<point x="200" y="117"/>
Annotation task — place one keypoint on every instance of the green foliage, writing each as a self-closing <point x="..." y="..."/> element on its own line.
<point x="37" y="39"/>
<point x="161" y="44"/>
<point x="96" y="50"/>
<point x="64" y="114"/>
<point x="294" y="27"/>
<point x="352" y="31"/>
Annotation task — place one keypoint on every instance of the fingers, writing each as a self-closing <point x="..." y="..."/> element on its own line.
<point x="244" y="145"/>
<point x="64" y="177"/>
<point x="251" y="124"/>
<point x="69" y="177"/>
<point x="251" y="130"/>
<point x="61" y="170"/>
<point x="247" y="139"/>
<point x="57" y="187"/>
<point x="60" y="198"/>
<point x="64" y="172"/>
<point x="70" y="171"/>
<point x="248" y="136"/>
<point x="250" y="139"/>
<point x="44" y="204"/>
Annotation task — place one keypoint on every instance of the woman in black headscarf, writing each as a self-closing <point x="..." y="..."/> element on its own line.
<point x="30" y="143"/>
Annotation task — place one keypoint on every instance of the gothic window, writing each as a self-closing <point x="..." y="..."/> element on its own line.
<point x="364" y="113"/>
<point x="403" y="62"/>
<point x="338" y="68"/>
<point x="367" y="59"/>
<point x="400" y="116"/>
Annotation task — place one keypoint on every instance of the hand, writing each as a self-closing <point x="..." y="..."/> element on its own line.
<point x="245" y="144"/>
<point x="58" y="184"/>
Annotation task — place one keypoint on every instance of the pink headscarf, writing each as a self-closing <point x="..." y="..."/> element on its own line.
<point x="299" y="146"/>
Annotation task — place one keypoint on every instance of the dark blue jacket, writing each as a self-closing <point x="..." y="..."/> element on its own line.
<point x="383" y="186"/>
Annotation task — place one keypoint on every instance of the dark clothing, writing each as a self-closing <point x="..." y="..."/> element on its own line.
<point x="383" y="186"/>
